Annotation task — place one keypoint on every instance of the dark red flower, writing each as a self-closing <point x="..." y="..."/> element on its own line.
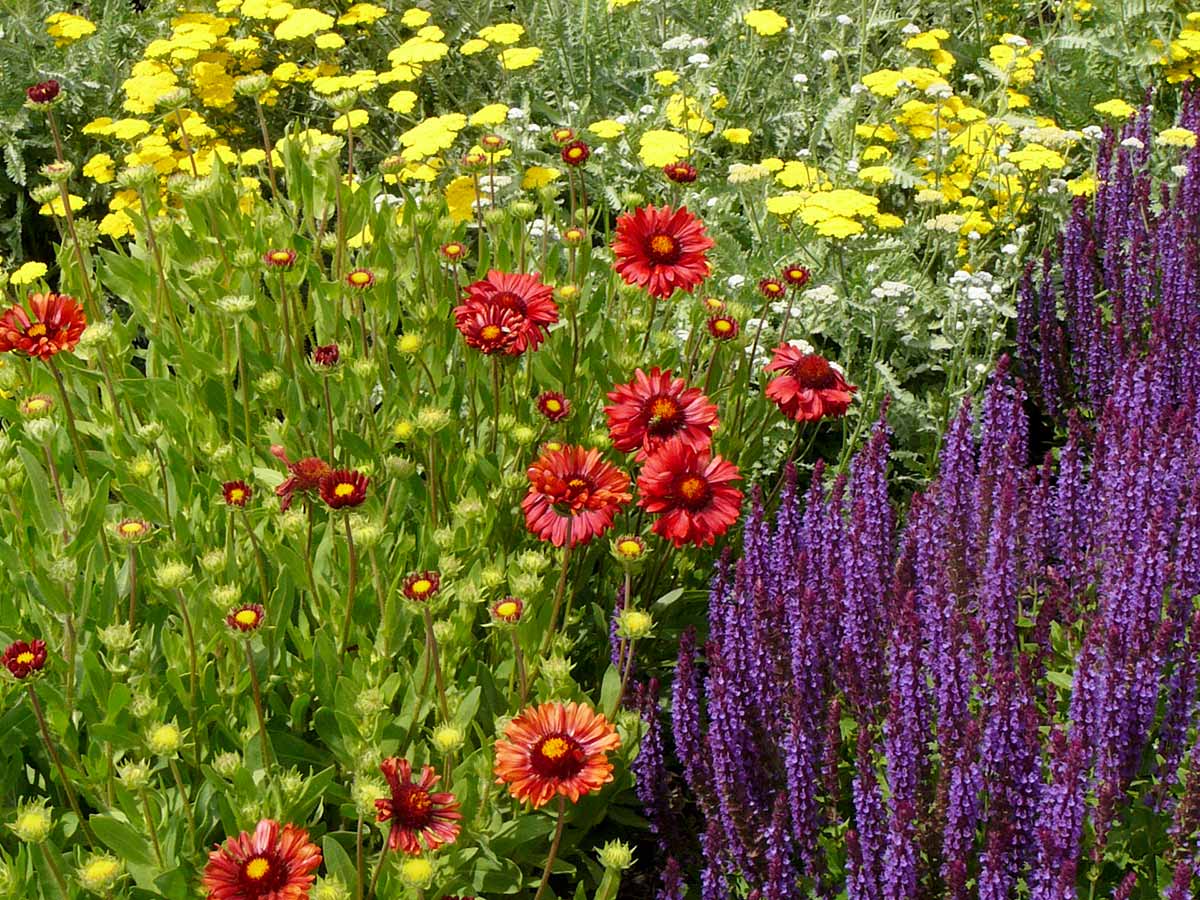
<point x="280" y="259"/>
<point x="723" y="328"/>
<point x="236" y="492"/>
<point x="525" y="295"/>
<point x="796" y="276"/>
<point x="416" y="813"/>
<point x="575" y="153"/>
<point x="492" y="143"/>
<point x="771" y="287"/>
<point x="304" y="476"/>
<point x="654" y="408"/>
<point x="508" y="610"/>
<point x="326" y="356"/>
<point x="247" y="617"/>
<point x="360" y="279"/>
<point x="43" y="91"/>
<point x="573" y="236"/>
<point x="573" y="488"/>
<point x="23" y="657"/>
<point x="453" y="251"/>
<point x="680" y="172"/>
<point x="344" y="488"/>
<point x="691" y="494"/>
<point x="661" y="250"/>
<point x="56" y="325"/>
<point x="421" y="586"/>
<point x="488" y="328"/>
<point x="553" y="405"/>
<point x="809" y="388"/>
<point x="271" y="864"/>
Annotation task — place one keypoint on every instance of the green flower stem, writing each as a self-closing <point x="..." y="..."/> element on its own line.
<point x="183" y="797"/>
<point x="58" y="492"/>
<point x="519" y="660"/>
<point x="436" y="663"/>
<point x="495" y="401"/>
<point x="132" y="585"/>
<point x="358" y="858"/>
<point x="151" y="828"/>
<point x="558" y="593"/>
<point x="266" y="138"/>
<point x="166" y="489"/>
<point x="80" y="458"/>
<point x="289" y="342"/>
<point x="650" y="323"/>
<point x="350" y="588"/>
<point x="55" y="870"/>
<point x="378" y="870"/>
<point x="241" y="352"/>
<point x="258" y="706"/>
<point x="57" y="761"/>
<point x="553" y="854"/>
<point x="191" y="641"/>
<point x="329" y="415"/>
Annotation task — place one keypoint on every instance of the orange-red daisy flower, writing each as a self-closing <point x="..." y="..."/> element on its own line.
<point x="680" y="172"/>
<point x="771" y="287"/>
<point x="796" y="276"/>
<point x="723" y="328"/>
<point x="55" y="326"/>
<point x="344" y="488"/>
<point x="573" y="489"/>
<point x="280" y="259"/>
<point x="236" y="492"/>
<point x="416" y="813"/>
<point x="661" y="250"/>
<point x="270" y="864"/>
<point x="508" y="610"/>
<point x="809" y="388"/>
<point x="304" y="476"/>
<point x="575" y="153"/>
<point x="43" y="91"/>
<point x="247" y="617"/>
<point x="488" y="328"/>
<point x="22" y="658"/>
<point x="554" y="749"/>
<point x="553" y="405"/>
<point x="526" y="295"/>
<point x="654" y="408"/>
<point x="421" y="586"/>
<point x="360" y="279"/>
<point x="690" y="492"/>
<point x="453" y="251"/>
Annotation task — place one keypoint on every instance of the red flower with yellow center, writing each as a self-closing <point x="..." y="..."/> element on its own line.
<point x="680" y="172"/>
<point x="361" y="279"/>
<point x="304" y="476"/>
<point x="573" y="236"/>
<point x="771" y="287"/>
<point x="344" y="488"/>
<point x="575" y="153"/>
<point x="554" y="406"/>
<point x="796" y="276"/>
<point x="270" y="864"/>
<point x="236" y="493"/>
<point x="691" y="494"/>
<point x="723" y="328"/>
<point x="421" y="586"/>
<point x="280" y="259"/>
<point x="416" y="813"/>
<point x="661" y="250"/>
<point x="22" y="658"/>
<point x="248" y="617"/>
<point x="132" y="530"/>
<point x="492" y="143"/>
<point x="43" y="91"/>
<point x="525" y="295"/>
<point x="573" y="491"/>
<point x="555" y="749"/>
<point x="508" y="610"/>
<point x="654" y="408"/>
<point x="326" y="356"/>
<point x="562" y="135"/>
<point x="808" y="388"/>
<point x="56" y="323"/>
<point x="453" y="251"/>
<point x="489" y="329"/>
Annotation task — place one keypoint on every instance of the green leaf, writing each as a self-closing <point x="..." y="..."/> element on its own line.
<point x="122" y="839"/>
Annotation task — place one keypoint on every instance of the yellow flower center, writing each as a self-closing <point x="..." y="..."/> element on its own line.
<point x="490" y="332"/>
<point x="630" y="548"/>
<point x="257" y="868"/>
<point x="246" y="617"/>
<point x="25" y="658"/>
<point x="691" y="487"/>
<point x="663" y="408"/>
<point x="662" y="244"/>
<point x="359" y="277"/>
<point x="343" y="490"/>
<point x="37" y="329"/>
<point x="552" y="446"/>
<point x="555" y="748"/>
<point x="131" y="528"/>
<point x="722" y="326"/>
<point x="422" y="586"/>
<point x="36" y="405"/>
<point x="236" y="495"/>
<point x="454" y="249"/>
<point x="280" y="256"/>
<point x="773" y="288"/>
<point x="576" y="483"/>
<point x="553" y="405"/>
<point x="507" y="608"/>
<point x="575" y="153"/>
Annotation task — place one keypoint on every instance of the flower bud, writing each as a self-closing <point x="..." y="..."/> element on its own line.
<point x="100" y="873"/>
<point x="135" y="776"/>
<point x="227" y="764"/>
<point x="416" y="872"/>
<point x="447" y="738"/>
<point x="165" y="739"/>
<point x="634" y="624"/>
<point x="616" y="855"/>
<point x="172" y="575"/>
<point x="329" y="888"/>
<point x="33" y="821"/>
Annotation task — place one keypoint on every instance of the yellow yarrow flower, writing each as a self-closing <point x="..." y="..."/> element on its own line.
<point x="665" y="77"/>
<point x="473" y="46"/>
<point x="402" y="102"/>
<point x="99" y="168"/>
<point x="686" y="113"/>
<point x="355" y="118"/>
<point x="55" y="207"/>
<point x="363" y="14"/>
<point x="766" y="22"/>
<point x="433" y="135"/>
<point x="736" y="135"/>
<point x="876" y="174"/>
<point x="302" y="23"/>
<point x="28" y="273"/>
<point x="1177" y="137"/>
<point x="1035" y="158"/>
<point x="607" y="129"/>
<point x="460" y="198"/>
<point x="503" y="33"/>
<point x="514" y="58"/>
<point x="414" y="18"/>
<point x="66" y="28"/>
<point x="659" y="147"/>
<point x="538" y="176"/>
<point x="492" y="114"/>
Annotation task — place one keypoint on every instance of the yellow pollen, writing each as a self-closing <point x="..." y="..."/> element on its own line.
<point x="662" y="408"/>
<point x="574" y="153"/>
<point x="36" y="405"/>
<point x="236" y="494"/>
<point x="422" y="586"/>
<point x="490" y="332"/>
<point x="453" y="249"/>
<point x="257" y="868"/>
<point x="722" y="325"/>
<point x="506" y="609"/>
<point x="553" y="405"/>
<point x="131" y="528"/>
<point x="630" y="548"/>
<point x="576" y="483"/>
<point x="37" y="329"/>
<point x="343" y="490"/>
<point x="246" y="617"/>
<point x="280" y="256"/>
<point x="360" y="277"/>
<point x="662" y="244"/>
<point x="552" y="446"/>
<point x="691" y="488"/>
<point x="555" y="748"/>
<point x="25" y="658"/>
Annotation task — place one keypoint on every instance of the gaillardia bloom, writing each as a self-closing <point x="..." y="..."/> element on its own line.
<point x="280" y="259"/>
<point x="661" y="250"/>
<point x="247" y="617"/>
<point x="771" y="287"/>
<point x="691" y="494"/>
<point x="421" y="586"/>
<point x="416" y="813"/>
<point x="22" y="658"/>
<point x="343" y="488"/>
<point x="489" y="329"/>
<point x="654" y="408"/>
<point x="43" y="91"/>
<point x="796" y="276"/>
<point x="575" y="153"/>
<point x="304" y="476"/>
<point x="55" y="326"/>
<point x="554" y="749"/>
<point x="326" y="356"/>
<point x="553" y="405"/>
<point x="680" y="172"/>
<point x="453" y="251"/>
<point x="723" y="328"/>
<point x="525" y="295"/>
<point x="236" y="493"/>
<point x="360" y="278"/>
<point x="271" y="864"/>
<point x="573" y="489"/>
<point x="808" y="388"/>
<point x="508" y="610"/>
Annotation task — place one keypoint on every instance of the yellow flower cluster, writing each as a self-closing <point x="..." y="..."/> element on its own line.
<point x="1182" y="58"/>
<point x="66" y="28"/>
